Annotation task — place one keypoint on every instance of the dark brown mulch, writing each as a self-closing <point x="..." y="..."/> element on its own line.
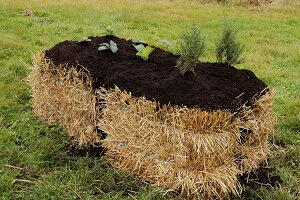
<point x="261" y="177"/>
<point x="214" y="86"/>
<point x="91" y="151"/>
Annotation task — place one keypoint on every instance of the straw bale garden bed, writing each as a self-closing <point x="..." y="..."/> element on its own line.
<point x="193" y="133"/>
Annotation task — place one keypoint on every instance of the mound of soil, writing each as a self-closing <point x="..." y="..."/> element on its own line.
<point x="214" y="85"/>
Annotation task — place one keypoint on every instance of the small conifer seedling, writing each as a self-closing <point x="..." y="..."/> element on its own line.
<point x="228" y="49"/>
<point x="191" y="48"/>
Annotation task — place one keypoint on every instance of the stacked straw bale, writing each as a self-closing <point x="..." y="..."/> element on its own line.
<point x="197" y="153"/>
<point x="65" y="95"/>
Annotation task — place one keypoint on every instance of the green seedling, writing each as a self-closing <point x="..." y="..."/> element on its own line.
<point x="172" y="48"/>
<point x="139" y="47"/>
<point x="134" y="41"/>
<point x="167" y="42"/>
<point x="228" y="49"/>
<point x="145" y="52"/>
<point x="84" y="40"/>
<point x="191" y="48"/>
<point x="111" y="46"/>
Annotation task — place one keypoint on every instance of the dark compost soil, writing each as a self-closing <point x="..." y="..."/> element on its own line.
<point x="95" y="150"/>
<point x="214" y="85"/>
<point x="261" y="177"/>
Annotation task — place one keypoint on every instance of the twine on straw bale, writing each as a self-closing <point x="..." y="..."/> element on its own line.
<point x="197" y="153"/>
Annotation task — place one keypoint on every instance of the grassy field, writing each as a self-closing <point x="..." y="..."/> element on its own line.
<point x="34" y="163"/>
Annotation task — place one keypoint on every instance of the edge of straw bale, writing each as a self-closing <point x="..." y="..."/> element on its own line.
<point x="261" y="120"/>
<point x="64" y="94"/>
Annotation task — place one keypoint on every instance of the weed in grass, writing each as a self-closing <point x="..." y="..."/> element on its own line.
<point x="109" y="31"/>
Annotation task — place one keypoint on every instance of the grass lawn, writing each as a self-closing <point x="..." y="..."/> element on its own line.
<point x="34" y="163"/>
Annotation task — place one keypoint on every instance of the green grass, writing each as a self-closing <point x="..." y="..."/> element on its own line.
<point x="272" y="48"/>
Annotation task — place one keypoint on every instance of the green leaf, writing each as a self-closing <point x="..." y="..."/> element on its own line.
<point x="103" y="46"/>
<point x="113" y="46"/>
<point x="134" y="41"/>
<point x="144" y="53"/>
<point x="166" y="42"/>
<point x="84" y="40"/>
<point x="139" y="47"/>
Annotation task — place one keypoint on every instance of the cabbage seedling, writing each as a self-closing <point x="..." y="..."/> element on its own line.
<point x="167" y="42"/>
<point x="139" y="47"/>
<point x="134" y="41"/>
<point x="145" y="52"/>
<point x="170" y="46"/>
<point x="84" y="40"/>
<point x="112" y="46"/>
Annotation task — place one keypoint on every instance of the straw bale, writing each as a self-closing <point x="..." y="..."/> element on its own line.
<point x="260" y="120"/>
<point x="194" y="152"/>
<point x="65" y="94"/>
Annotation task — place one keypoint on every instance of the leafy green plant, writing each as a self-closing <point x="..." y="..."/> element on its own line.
<point x="228" y="49"/>
<point x="111" y="46"/>
<point x="109" y="31"/>
<point x="139" y="47"/>
<point x="135" y="41"/>
<point x="173" y="48"/>
<point x="84" y="40"/>
<point x="143" y="51"/>
<point x="166" y="42"/>
<point x="191" y="47"/>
